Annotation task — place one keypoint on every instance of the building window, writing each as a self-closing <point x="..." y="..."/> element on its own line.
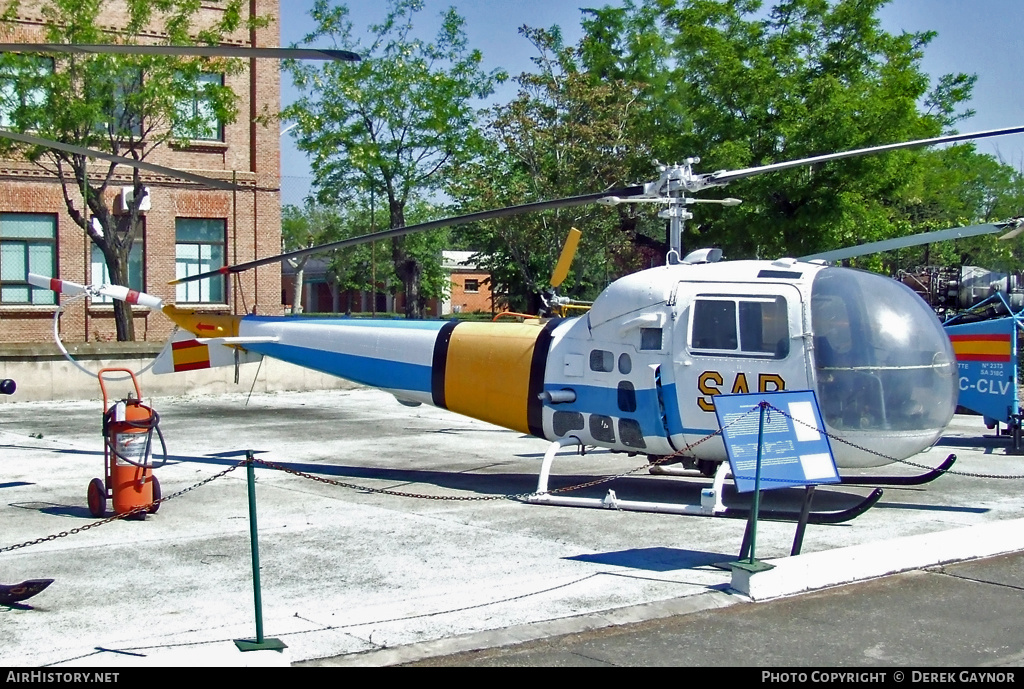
<point x="118" y="95"/>
<point x="28" y="244"/>
<point x="136" y="268"/>
<point x="22" y="87"/>
<point x="472" y="286"/>
<point x="196" y="117"/>
<point x="199" y="249"/>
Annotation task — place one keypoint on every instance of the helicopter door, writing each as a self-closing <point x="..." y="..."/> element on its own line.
<point x="741" y="339"/>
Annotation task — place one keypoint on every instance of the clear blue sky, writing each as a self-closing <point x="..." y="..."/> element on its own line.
<point x="982" y="37"/>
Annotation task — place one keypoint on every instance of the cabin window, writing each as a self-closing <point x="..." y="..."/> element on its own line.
<point x="735" y="326"/>
<point x="650" y="339"/>
<point x="627" y="397"/>
<point x="630" y="434"/>
<point x="602" y="361"/>
<point x="601" y="428"/>
<point x="625" y="364"/>
<point x="564" y="421"/>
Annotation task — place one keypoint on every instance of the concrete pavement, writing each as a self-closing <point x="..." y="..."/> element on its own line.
<point x="357" y="577"/>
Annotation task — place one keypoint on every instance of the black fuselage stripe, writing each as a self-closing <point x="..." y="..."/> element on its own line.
<point x="440" y="362"/>
<point x="538" y="365"/>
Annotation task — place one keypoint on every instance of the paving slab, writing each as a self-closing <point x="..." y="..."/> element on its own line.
<point x="375" y="578"/>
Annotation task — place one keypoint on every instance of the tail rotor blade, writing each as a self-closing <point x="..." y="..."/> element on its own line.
<point x="565" y="259"/>
<point x="112" y="291"/>
<point x="130" y="296"/>
<point x="61" y="286"/>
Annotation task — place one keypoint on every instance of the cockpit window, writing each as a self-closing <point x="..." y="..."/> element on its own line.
<point x="740" y="326"/>
<point x="882" y="360"/>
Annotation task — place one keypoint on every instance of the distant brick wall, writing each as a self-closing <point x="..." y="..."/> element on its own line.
<point x="465" y="300"/>
<point x="250" y="154"/>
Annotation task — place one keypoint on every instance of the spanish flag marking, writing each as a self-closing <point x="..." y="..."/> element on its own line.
<point x="977" y="347"/>
<point x="190" y="355"/>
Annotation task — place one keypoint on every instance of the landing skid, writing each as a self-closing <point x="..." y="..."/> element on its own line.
<point x="19" y="592"/>
<point x="921" y="479"/>
<point x="711" y="504"/>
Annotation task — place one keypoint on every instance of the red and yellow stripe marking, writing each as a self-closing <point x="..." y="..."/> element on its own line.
<point x="190" y="355"/>
<point x="976" y="347"/>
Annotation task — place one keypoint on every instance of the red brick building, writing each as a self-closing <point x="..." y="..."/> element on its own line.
<point x="471" y="286"/>
<point x="470" y="290"/>
<point x="186" y="229"/>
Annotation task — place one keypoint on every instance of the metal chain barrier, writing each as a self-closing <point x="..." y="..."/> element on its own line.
<point x="114" y="518"/>
<point x="893" y="459"/>
<point x="482" y="498"/>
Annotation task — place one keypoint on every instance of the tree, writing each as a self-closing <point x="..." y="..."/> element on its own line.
<point x="564" y="134"/>
<point x="354" y="268"/>
<point x="392" y="125"/>
<point x="304" y="227"/>
<point x="127" y="105"/>
<point x="740" y="86"/>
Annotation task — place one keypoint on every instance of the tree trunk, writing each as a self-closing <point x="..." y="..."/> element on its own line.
<point x="300" y="274"/>
<point x="117" y="267"/>
<point x="407" y="268"/>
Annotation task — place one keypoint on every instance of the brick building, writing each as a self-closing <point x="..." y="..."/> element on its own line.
<point x="471" y="286"/>
<point x="470" y="290"/>
<point x="186" y="229"/>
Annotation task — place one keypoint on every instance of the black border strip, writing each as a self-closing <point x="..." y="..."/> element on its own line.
<point x="534" y="407"/>
<point x="439" y="363"/>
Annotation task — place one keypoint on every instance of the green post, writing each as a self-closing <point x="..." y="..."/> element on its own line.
<point x="751" y="564"/>
<point x="259" y="643"/>
<point x="757" y="485"/>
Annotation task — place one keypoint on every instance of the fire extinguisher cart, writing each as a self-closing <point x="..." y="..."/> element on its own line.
<point x="128" y="428"/>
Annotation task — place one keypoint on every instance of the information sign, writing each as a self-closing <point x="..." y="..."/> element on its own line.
<point x="794" y="451"/>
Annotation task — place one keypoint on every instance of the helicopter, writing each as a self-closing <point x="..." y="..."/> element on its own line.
<point x="638" y="371"/>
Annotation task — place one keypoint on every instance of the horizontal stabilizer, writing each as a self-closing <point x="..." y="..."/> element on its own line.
<point x="187" y="353"/>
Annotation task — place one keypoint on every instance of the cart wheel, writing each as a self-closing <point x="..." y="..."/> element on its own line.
<point x="156" y="496"/>
<point x="97" y="498"/>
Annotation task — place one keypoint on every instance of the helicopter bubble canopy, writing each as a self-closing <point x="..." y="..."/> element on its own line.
<point x="882" y="363"/>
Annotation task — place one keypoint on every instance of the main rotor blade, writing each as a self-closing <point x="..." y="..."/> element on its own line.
<point x="567" y="202"/>
<point x="183" y="50"/>
<point x="121" y="160"/>
<point x="913" y="240"/>
<point x="731" y="175"/>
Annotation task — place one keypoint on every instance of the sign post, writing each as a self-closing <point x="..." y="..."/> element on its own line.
<point x="786" y="447"/>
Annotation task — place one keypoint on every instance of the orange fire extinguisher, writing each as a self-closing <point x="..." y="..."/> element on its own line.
<point x="128" y="430"/>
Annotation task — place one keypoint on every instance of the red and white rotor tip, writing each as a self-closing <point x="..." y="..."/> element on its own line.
<point x="112" y="291"/>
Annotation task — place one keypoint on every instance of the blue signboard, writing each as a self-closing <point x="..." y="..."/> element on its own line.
<point x="986" y="354"/>
<point x="794" y="449"/>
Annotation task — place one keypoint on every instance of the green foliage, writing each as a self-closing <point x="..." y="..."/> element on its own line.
<point x="740" y="86"/>
<point x="128" y="105"/>
<point x="362" y="267"/>
<point x="391" y="126"/>
<point x="564" y="134"/>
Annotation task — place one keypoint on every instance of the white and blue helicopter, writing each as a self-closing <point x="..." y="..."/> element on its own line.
<point x="638" y="371"/>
